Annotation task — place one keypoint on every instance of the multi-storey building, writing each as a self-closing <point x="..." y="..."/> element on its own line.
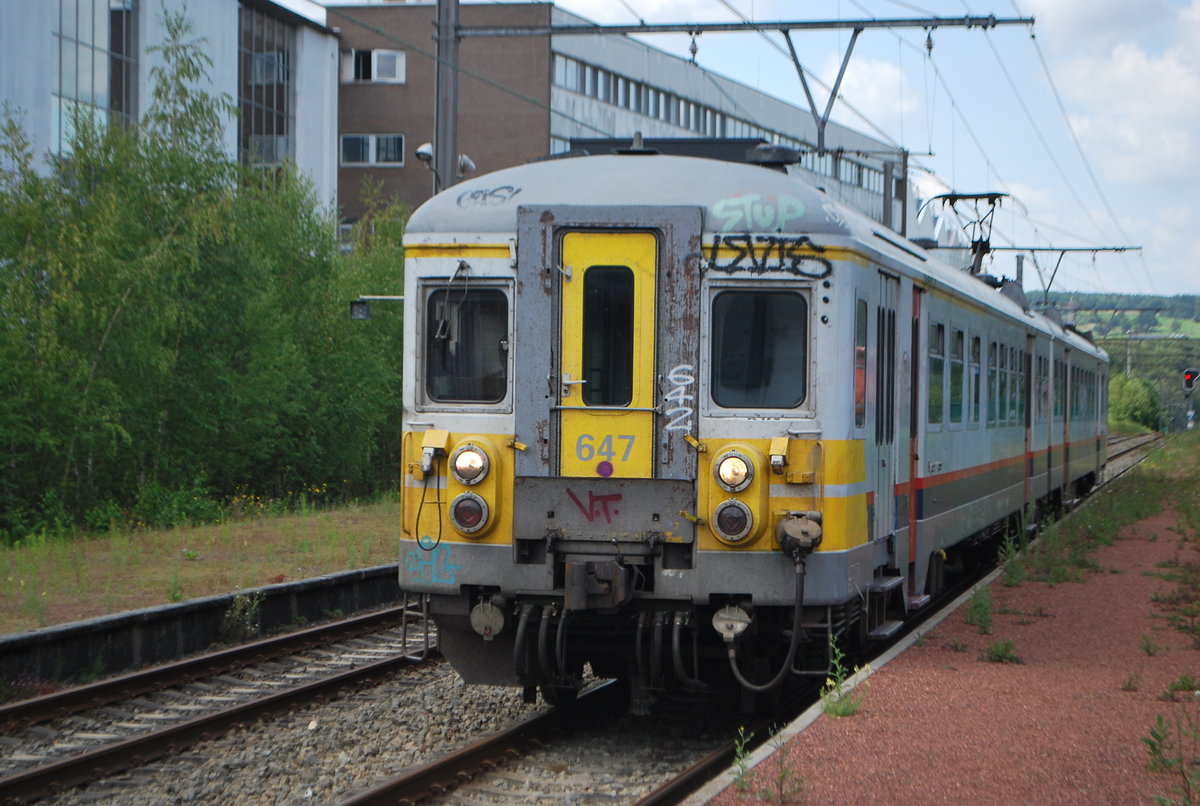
<point x="275" y="59"/>
<point x="521" y="98"/>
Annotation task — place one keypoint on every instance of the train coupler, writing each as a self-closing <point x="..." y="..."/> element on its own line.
<point x="604" y="585"/>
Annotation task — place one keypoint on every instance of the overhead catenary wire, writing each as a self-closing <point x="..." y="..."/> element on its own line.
<point x="1087" y="164"/>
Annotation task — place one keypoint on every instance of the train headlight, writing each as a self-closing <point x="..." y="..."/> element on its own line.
<point x="469" y="464"/>
<point x="468" y="513"/>
<point x="734" y="471"/>
<point x="733" y="520"/>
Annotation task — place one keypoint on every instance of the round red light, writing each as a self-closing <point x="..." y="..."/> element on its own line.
<point x="468" y="513"/>
<point x="732" y="520"/>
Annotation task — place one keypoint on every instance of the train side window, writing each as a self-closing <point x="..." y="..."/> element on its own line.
<point x="1002" y="392"/>
<point x="759" y="349"/>
<point x="466" y="345"/>
<point x="974" y="378"/>
<point x="1016" y="386"/>
<point x="937" y="373"/>
<point x="1060" y="389"/>
<point x="608" y="336"/>
<point x="860" y="364"/>
<point x="992" y="384"/>
<point x="957" y="348"/>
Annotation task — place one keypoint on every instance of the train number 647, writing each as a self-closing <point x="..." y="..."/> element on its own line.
<point x="586" y="447"/>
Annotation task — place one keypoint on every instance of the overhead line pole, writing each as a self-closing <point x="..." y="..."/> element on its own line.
<point x="449" y="32"/>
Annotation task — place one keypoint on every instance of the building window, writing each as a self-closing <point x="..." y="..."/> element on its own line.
<point x="378" y="65"/>
<point x="373" y="149"/>
<point x="266" y="92"/>
<point x="268" y="68"/>
<point x="94" y="65"/>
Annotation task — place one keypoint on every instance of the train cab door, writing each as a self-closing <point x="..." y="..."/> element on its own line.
<point x="885" y="371"/>
<point x="607" y="324"/>
<point x="607" y="346"/>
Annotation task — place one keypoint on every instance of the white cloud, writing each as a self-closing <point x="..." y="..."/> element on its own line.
<point x="879" y="90"/>
<point x="1132" y="80"/>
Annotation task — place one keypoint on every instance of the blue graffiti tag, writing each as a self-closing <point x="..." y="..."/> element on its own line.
<point x="432" y="566"/>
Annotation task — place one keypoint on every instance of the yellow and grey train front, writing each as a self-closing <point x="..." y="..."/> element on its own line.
<point x="611" y="453"/>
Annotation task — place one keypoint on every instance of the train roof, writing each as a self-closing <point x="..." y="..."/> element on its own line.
<point x="736" y="198"/>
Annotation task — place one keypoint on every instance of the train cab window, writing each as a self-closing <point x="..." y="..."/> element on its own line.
<point x="759" y="349"/>
<point x="466" y="344"/>
<point x="860" y="364"/>
<point x="957" y="349"/>
<point x="937" y="373"/>
<point x="608" y="336"/>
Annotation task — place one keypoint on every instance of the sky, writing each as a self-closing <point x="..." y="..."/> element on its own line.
<point x="1091" y="123"/>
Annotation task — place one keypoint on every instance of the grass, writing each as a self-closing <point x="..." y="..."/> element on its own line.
<point x="1065" y="550"/>
<point x="51" y="580"/>
<point x="1002" y="651"/>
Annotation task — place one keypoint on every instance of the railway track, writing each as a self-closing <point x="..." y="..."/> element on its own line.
<point x="590" y="752"/>
<point x="541" y="761"/>
<point x="548" y="758"/>
<point x="61" y="740"/>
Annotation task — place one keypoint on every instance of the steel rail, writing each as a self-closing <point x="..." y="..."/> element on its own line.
<point x="139" y="750"/>
<point x="62" y="703"/>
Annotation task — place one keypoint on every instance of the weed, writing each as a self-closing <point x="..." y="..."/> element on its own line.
<point x="175" y="591"/>
<point x="241" y="619"/>
<point x="1149" y="647"/>
<point x="1009" y="557"/>
<point x="1182" y="684"/>
<point x="836" y="698"/>
<point x="919" y="640"/>
<point x="1003" y="651"/>
<point x="1131" y="682"/>
<point x="959" y="646"/>
<point x="786" y="783"/>
<point x="979" y="610"/>
<point x="741" y="760"/>
<point x="1173" y="749"/>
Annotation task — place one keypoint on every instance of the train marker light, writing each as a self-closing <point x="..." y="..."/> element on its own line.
<point x="1189" y="379"/>
<point x="734" y="471"/>
<point x="469" y="464"/>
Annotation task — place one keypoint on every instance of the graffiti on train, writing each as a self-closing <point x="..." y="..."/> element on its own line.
<point x="758" y="254"/>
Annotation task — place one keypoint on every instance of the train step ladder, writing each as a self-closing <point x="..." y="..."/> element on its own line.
<point x="880" y="591"/>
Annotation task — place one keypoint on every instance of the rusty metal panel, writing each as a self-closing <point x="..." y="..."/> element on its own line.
<point x="677" y="331"/>
<point x="604" y="510"/>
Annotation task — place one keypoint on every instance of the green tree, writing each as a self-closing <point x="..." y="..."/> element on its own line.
<point x="173" y="326"/>
<point x="1133" y="400"/>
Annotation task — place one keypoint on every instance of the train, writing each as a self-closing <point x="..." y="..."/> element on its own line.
<point x="695" y="425"/>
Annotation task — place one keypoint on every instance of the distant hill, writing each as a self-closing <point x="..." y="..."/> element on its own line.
<point x="1114" y="315"/>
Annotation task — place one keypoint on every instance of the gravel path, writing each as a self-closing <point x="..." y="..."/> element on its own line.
<point x="942" y="726"/>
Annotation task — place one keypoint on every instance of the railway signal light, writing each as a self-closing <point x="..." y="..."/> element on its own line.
<point x="1189" y="379"/>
